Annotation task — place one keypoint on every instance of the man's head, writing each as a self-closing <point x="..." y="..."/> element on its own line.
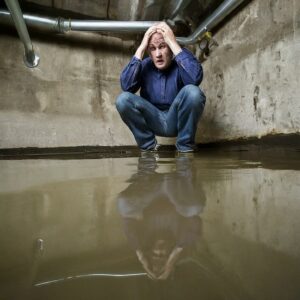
<point x="159" y="254"/>
<point x="159" y="51"/>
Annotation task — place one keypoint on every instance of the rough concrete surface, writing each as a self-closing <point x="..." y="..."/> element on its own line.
<point x="68" y="99"/>
<point x="251" y="82"/>
<point x="252" y="78"/>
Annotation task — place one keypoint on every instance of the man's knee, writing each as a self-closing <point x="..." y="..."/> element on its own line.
<point x="123" y="101"/>
<point x="194" y="92"/>
<point x="194" y="95"/>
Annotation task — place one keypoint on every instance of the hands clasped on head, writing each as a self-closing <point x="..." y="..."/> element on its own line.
<point x="161" y="44"/>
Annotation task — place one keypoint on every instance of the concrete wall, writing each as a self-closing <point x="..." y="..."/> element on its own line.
<point x="68" y="100"/>
<point x="252" y="78"/>
<point x="251" y="82"/>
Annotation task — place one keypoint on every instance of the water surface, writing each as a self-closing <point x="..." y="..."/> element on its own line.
<point x="101" y="228"/>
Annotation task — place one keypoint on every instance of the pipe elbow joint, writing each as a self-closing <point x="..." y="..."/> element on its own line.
<point x="31" y="59"/>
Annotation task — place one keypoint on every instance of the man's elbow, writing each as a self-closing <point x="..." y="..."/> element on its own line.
<point x="128" y="88"/>
<point x="125" y="86"/>
<point x="196" y="77"/>
<point x="195" y="80"/>
<point x="199" y="78"/>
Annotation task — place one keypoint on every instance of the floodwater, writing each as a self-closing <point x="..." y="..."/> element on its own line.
<point x="157" y="226"/>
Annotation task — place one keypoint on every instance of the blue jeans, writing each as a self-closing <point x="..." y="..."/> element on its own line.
<point x="146" y="121"/>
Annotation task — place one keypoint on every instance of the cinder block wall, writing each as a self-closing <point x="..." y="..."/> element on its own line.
<point x="251" y="82"/>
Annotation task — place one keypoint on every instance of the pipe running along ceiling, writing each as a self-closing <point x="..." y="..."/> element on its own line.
<point x="174" y="12"/>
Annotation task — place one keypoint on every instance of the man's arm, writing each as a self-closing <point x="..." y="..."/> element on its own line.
<point x="139" y="54"/>
<point x="170" y="264"/>
<point x="144" y="261"/>
<point x="190" y="69"/>
<point x="130" y="77"/>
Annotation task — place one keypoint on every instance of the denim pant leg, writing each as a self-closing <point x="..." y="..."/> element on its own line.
<point x="143" y="119"/>
<point x="183" y="116"/>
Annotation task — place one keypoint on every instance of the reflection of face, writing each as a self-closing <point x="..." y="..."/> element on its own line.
<point x="159" y="254"/>
<point x="159" y="51"/>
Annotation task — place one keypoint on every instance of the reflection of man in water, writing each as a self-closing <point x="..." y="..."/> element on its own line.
<point x="161" y="213"/>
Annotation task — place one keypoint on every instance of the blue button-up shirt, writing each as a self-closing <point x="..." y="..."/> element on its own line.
<point x="160" y="87"/>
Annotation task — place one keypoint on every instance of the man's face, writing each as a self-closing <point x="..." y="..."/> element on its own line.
<point x="159" y="51"/>
<point x="159" y="254"/>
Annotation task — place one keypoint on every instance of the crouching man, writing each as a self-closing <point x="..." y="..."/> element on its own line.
<point x="170" y="102"/>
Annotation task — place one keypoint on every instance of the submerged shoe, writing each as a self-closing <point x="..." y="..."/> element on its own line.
<point x="186" y="151"/>
<point x="154" y="149"/>
<point x="189" y="150"/>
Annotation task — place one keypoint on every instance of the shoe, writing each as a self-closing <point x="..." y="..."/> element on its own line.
<point x="186" y="151"/>
<point x="190" y="150"/>
<point x="154" y="149"/>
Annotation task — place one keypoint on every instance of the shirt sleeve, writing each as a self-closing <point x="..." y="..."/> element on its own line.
<point x="130" y="76"/>
<point x="190" y="69"/>
<point x="132" y="229"/>
<point x="190" y="231"/>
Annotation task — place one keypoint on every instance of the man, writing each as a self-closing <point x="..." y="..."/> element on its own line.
<point x="170" y="102"/>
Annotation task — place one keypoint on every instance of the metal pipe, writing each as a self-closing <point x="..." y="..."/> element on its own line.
<point x="63" y="25"/>
<point x="31" y="21"/>
<point x="31" y="59"/>
<point x="110" y="26"/>
<point x="217" y="16"/>
<point x="105" y="275"/>
<point x="181" y="5"/>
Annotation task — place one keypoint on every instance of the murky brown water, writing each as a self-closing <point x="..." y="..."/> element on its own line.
<point x="202" y="226"/>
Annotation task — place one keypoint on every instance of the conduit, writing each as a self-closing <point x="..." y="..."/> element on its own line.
<point x="35" y="22"/>
<point x="181" y="5"/>
<point x="30" y="58"/>
<point x="62" y="25"/>
<point x="110" y="26"/>
<point x="217" y="16"/>
<point x="102" y="275"/>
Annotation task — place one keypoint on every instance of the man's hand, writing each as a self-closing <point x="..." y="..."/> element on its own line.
<point x="170" y="264"/>
<point x="144" y="44"/>
<point x="168" y="269"/>
<point x="143" y="260"/>
<point x="169" y="37"/>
